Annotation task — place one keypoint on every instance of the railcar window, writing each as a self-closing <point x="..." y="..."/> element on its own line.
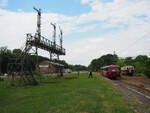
<point x="113" y="69"/>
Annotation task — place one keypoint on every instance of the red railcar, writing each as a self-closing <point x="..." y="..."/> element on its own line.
<point x="111" y="71"/>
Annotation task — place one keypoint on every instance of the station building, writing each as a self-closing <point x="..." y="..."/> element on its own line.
<point x="47" y="67"/>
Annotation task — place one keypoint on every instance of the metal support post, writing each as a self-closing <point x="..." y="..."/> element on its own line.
<point x="38" y="22"/>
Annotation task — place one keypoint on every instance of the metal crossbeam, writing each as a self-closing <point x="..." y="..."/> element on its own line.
<point x="45" y="44"/>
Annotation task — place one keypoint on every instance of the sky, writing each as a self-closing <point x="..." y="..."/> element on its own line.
<point x="91" y="28"/>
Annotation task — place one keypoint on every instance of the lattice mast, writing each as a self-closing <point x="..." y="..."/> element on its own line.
<point x="38" y="23"/>
<point x="61" y="37"/>
<point x="54" y="33"/>
<point x="38" y="34"/>
<point x="38" y="41"/>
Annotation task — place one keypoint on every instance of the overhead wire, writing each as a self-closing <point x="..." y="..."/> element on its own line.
<point x="133" y="44"/>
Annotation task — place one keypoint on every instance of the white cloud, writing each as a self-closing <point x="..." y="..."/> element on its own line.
<point x="85" y="1"/>
<point x="121" y="14"/>
<point x="122" y="42"/>
<point x="3" y="3"/>
<point x="87" y="28"/>
<point x="14" y="26"/>
<point x="118" y="11"/>
<point x="14" y="32"/>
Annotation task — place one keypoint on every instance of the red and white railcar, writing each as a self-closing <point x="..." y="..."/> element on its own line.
<point x="111" y="71"/>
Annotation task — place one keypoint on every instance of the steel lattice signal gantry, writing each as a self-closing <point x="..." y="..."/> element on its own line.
<point x="38" y="41"/>
<point x="20" y="63"/>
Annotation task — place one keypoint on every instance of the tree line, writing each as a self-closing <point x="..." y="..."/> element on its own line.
<point x="141" y="63"/>
<point x="6" y="56"/>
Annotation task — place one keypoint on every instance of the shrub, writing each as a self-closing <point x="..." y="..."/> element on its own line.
<point x="1" y="79"/>
<point x="36" y="72"/>
<point x="147" y="70"/>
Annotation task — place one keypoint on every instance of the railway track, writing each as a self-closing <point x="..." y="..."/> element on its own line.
<point x="133" y="95"/>
<point x="138" y="92"/>
<point x="138" y="88"/>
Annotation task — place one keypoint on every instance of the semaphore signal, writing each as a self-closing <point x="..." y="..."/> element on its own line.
<point x="37" y="41"/>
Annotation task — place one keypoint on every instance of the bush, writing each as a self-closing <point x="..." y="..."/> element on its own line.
<point x="1" y="79"/>
<point x="36" y="72"/>
<point x="139" y="74"/>
<point x="147" y="69"/>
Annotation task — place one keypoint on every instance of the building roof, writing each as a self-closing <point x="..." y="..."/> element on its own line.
<point x="57" y="64"/>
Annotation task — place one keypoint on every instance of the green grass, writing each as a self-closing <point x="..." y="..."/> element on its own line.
<point x="81" y="95"/>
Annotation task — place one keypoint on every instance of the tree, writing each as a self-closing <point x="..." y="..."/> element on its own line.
<point x="120" y="62"/>
<point x="79" y="68"/>
<point x="4" y="51"/>
<point x="104" y="60"/>
<point x="141" y="58"/>
<point x="142" y="65"/>
<point x="5" y="54"/>
<point x="63" y="62"/>
<point x="129" y="61"/>
<point x="110" y="59"/>
<point x="147" y="71"/>
<point x="17" y="51"/>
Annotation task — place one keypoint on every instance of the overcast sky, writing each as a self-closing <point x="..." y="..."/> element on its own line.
<point x="91" y="28"/>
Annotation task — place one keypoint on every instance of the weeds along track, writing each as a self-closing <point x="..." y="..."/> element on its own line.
<point x="134" y="88"/>
<point x="139" y="88"/>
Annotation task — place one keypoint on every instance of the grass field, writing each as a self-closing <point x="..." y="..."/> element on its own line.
<point x="82" y="95"/>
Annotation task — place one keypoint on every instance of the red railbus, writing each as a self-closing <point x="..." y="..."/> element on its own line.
<point x="111" y="71"/>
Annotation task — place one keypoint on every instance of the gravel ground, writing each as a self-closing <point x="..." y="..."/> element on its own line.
<point x="141" y="84"/>
<point x="135" y="91"/>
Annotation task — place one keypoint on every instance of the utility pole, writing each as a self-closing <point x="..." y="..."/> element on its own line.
<point x="54" y="34"/>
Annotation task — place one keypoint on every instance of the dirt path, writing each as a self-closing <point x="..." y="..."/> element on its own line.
<point x="136" y="90"/>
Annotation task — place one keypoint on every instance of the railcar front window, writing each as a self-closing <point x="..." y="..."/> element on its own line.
<point x="113" y="69"/>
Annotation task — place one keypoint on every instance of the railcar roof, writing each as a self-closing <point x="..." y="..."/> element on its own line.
<point x="111" y="66"/>
<point x="128" y="66"/>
